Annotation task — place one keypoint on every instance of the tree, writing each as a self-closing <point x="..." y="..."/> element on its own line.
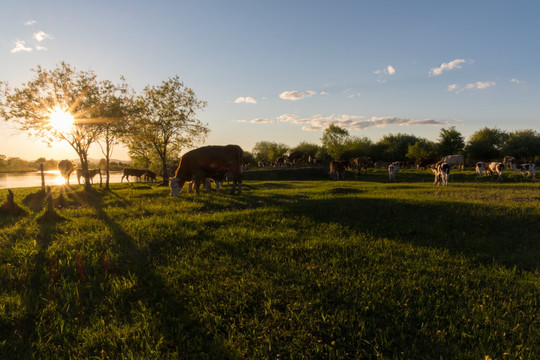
<point x="450" y="141"/>
<point x="334" y="139"/>
<point x="75" y="97"/>
<point x="164" y="117"/>
<point x="395" y="147"/>
<point x="522" y="144"/>
<point x="486" y="144"/>
<point x="268" y="151"/>
<point x="357" y="147"/>
<point x="308" y="148"/>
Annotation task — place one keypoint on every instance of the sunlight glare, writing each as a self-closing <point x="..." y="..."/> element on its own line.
<point x="61" y="120"/>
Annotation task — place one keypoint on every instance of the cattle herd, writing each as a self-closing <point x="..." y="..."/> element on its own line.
<point x="216" y="164"/>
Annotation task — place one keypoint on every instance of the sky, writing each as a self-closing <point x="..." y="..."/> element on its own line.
<point x="283" y="71"/>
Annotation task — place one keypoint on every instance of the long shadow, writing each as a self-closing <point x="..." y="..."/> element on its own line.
<point x="179" y="329"/>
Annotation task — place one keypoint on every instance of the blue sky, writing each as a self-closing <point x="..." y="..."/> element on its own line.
<point x="284" y="70"/>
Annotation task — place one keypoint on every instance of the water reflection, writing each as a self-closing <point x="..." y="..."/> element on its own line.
<point x="52" y="177"/>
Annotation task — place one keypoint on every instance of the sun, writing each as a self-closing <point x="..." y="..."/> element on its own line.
<point x="61" y="120"/>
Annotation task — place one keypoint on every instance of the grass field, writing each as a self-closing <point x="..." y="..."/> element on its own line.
<point x="297" y="267"/>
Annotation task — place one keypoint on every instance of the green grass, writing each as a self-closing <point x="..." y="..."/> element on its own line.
<point x="297" y="267"/>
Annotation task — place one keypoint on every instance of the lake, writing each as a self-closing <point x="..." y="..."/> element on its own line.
<point x="52" y="177"/>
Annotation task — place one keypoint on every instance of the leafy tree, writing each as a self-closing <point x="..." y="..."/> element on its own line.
<point x="450" y="141"/>
<point x="334" y="140"/>
<point x="308" y="148"/>
<point x="269" y="151"/>
<point x="63" y="91"/>
<point x="357" y="147"/>
<point x="486" y="144"/>
<point x="522" y="144"/>
<point x="395" y="147"/>
<point x="164" y="117"/>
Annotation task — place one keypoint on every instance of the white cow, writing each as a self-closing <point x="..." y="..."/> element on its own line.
<point x="495" y="168"/>
<point x="454" y="160"/>
<point x="441" y="171"/>
<point x="393" y="169"/>
<point x="481" y="169"/>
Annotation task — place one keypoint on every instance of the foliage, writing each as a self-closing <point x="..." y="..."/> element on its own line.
<point x="291" y="269"/>
<point x="395" y="147"/>
<point x="356" y="147"/>
<point x="164" y="117"/>
<point x="450" y="142"/>
<point x="269" y="151"/>
<point x="334" y="139"/>
<point x="486" y="144"/>
<point x="308" y="148"/>
<point x="522" y="144"/>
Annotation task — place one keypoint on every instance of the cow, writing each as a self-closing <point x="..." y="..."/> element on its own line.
<point x="280" y="161"/>
<point x="360" y="163"/>
<point x="337" y="169"/>
<point x="393" y="169"/>
<point x="213" y="161"/>
<point x="495" y="168"/>
<point x="441" y="171"/>
<point x="65" y="167"/>
<point x="526" y="170"/>
<point x="150" y="176"/>
<point x="91" y="174"/>
<point x="454" y="160"/>
<point x="425" y="163"/>
<point x="297" y="157"/>
<point x="138" y="173"/>
<point x="509" y="161"/>
<point x="481" y="169"/>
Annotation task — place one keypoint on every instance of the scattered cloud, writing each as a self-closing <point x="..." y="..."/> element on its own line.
<point x="350" y="122"/>
<point x="517" y="81"/>
<point x="246" y="100"/>
<point x="296" y="95"/>
<point x="479" y="85"/>
<point x="41" y="35"/>
<point x="41" y="48"/>
<point x="261" y="121"/>
<point x="389" y="70"/>
<point x="455" y="64"/>
<point x="19" y="46"/>
<point x="29" y="22"/>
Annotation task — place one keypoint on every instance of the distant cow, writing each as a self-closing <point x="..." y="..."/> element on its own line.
<point x="337" y="169"/>
<point x="280" y="161"/>
<point x="441" y="171"/>
<point x="393" y="169"/>
<point x="526" y="170"/>
<point x="138" y="173"/>
<point x="481" y="169"/>
<point x="425" y="163"/>
<point x="208" y="162"/>
<point x="509" y="161"/>
<point x="454" y="160"/>
<point x="495" y="168"/>
<point x="150" y="176"/>
<point x="298" y="157"/>
<point x="91" y="174"/>
<point x="65" y="167"/>
<point x="360" y="163"/>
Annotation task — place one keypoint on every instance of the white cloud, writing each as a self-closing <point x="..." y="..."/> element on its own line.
<point x="296" y="95"/>
<point x="479" y="85"/>
<point x="40" y="48"/>
<point x="261" y="121"/>
<point x="19" y="46"/>
<point x="453" y="87"/>
<point x="41" y="35"/>
<point x="517" y="81"/>
<point x="247" y="100"/>
<point x="29" y="22"/>
<point x="390" y="70"/>
<point x="455" y="64"/>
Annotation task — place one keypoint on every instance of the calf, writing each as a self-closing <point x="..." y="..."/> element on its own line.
<point x="337" y="168"/>
<point x="481" y="169"/>
<point x="150" y="176"/>
<point x="441" y="171"/>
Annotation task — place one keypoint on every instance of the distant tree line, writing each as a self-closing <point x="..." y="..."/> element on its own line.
<point x="16" y="164"/>
<point x="486" y="144"/>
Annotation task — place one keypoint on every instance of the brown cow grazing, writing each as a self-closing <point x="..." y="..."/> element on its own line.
<point x="280" y="161"/>
<point x="337" y="168"/>
<point x="91" y="174"/>
<point x="150" y="176"/>
<point x="298" y="157"/>
<point x="66" y="168"/>
<point x="208" y="162"/>
<point x="138" y="173"/>
<point x="360" y="163"/>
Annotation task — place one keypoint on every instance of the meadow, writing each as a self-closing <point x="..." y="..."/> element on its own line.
<point x="296" y="267"/>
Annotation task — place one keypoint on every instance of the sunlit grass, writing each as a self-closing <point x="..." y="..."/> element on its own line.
<point x="290" y="269"/>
